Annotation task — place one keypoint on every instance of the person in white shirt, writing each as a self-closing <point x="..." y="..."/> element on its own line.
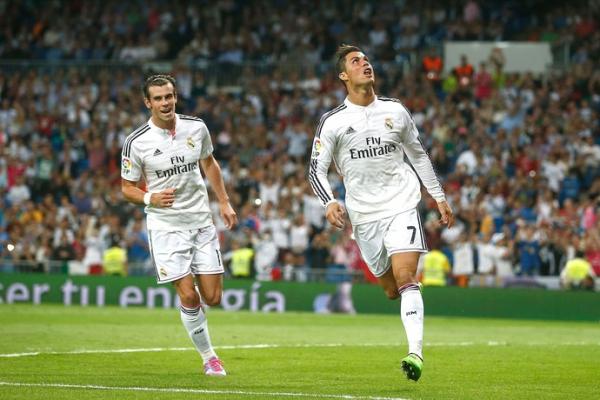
<point x="168" y="152"/>
<point x="367" y="137"/>
<point x="485" y="254"/>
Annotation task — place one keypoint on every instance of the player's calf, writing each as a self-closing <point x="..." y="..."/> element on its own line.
<point x="391" y="293"/>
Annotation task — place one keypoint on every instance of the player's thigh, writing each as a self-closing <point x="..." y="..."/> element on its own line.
<point x="171" y="253"/>
<point x="405" y="233"/>
<point x="211" y="288"/>
<point x="404" y="267"/>
<point x="370" y="240"/>
<point x="207" y="265"/>
<point x="405" y="242"/>
<point x="206" y="258"/>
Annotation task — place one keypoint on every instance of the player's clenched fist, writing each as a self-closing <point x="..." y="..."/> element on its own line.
<point x="335" y="215"/>
<point x="166" y="198"/>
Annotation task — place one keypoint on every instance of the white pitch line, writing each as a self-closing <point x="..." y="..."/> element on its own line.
<point x="197" y="391"/>
<point x="275" y="346"/>
<point x="159" y="349"/>
<point x="98" y="351"/>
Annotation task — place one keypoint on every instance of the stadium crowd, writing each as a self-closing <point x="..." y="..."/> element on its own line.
<point x="518" y="154"/>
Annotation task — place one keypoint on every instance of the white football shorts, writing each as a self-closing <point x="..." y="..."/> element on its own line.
<point x="378" y="240"/>
<point x="176" y="254"/>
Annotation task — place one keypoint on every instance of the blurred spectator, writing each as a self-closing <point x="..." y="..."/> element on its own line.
<point x="63" y="251"/>
<point x="433" y="67"/>
<point x="318" y="254"/>
<point x="483" y="83"/>
<point x="578" y="274"/>
<point x="528" y="247"/>
<point x="114" y="259"/>
<point x="436" y="268"/>
<point x="485" y="255"/>
<point x="299" y="236"/>
<point x="463" y="256"/>
<point x="240" y="257"/>
<point x="94" y="246"/>
<point x="266" y="255"/>
<point x="464" y="73"/>
<point x="19" y="192"/>
<point x="497" y="60"/>
<point x="502" y="253"/>
<point x="137" y="245"/>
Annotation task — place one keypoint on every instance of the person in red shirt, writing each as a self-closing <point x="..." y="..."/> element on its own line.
<point x="592" y="251"/>
<point x="483" y="83"/>
<point x="464" y="72"/>
<point x="432" y="67"/>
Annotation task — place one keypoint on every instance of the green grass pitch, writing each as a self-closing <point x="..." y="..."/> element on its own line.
<point x="137" y="353"/>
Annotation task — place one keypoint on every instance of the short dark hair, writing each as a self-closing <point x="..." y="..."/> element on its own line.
<point x="340" y="56"/>
<point x="158" y="80"/>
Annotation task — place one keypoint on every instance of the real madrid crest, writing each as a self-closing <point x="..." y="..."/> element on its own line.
<point x="190" y="142"/>
<point x="389" y="124"/>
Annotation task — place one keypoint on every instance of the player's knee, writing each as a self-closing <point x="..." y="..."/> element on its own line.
<point x="405" y="278"/>
<point x="213" y="299"/>
<point x="190" y="298"/>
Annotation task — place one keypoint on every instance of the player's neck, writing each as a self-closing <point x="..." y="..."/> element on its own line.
<point x="361" y="95"/>
<point x="169" y="124"/>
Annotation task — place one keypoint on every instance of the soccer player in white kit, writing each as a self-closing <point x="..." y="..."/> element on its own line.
<point x="167" y="152"/>
<point x="367" y="138"/>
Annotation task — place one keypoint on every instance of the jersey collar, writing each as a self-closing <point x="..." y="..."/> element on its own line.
<point x="165" y="132"/>
<point x="351" y="105"/>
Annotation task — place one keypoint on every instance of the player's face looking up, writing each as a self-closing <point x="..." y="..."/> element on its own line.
<point x="161" y="102"/>
<point x="358" y="70"/>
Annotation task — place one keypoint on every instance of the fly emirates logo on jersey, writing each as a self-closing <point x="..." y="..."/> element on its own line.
<point x="179" y="166"/>
<point x="374" y="149"/>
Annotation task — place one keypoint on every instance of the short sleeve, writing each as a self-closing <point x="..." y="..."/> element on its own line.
<point x="131" y="167"/>
<point x="207" y="147"/>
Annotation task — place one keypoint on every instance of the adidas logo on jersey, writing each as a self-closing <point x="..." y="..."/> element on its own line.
<point x="157" y="152"/>
<point x="349" y="130"/>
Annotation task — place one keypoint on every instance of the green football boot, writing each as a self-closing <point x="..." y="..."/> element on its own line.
<point x="412" y="365"/>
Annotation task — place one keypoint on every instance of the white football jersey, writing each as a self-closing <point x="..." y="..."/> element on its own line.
<point x="367" y="145"/>
<point x="171" y="161"/>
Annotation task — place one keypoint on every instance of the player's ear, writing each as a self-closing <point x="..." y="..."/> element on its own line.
<point x="343" y="76"/>
<point x="147" y="103"/>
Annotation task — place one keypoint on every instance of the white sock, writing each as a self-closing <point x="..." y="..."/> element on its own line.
<point x="411" y="312"/>
<point x="194" y="322"/>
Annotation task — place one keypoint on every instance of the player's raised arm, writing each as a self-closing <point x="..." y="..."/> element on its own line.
<point x="320" y="161"/>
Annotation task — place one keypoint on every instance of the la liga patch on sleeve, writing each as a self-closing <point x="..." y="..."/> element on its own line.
<point x="126" y="165"/>
<point x="316" y="148"/>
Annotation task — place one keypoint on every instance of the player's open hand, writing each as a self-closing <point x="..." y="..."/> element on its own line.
<point x="335" y="215"/>
<point x="446" y="214"/>
<point x="228" y="214"/>
<point x="164" y="199"/>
